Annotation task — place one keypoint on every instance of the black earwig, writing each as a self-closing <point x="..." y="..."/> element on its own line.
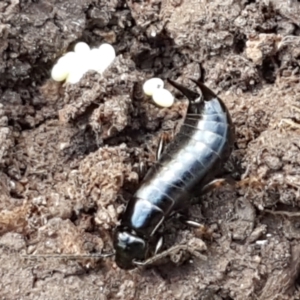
<point x="190" y="163"/>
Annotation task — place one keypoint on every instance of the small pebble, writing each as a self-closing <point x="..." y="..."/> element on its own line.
<point x="163" y="97"/>
<point x="151" y="85"/>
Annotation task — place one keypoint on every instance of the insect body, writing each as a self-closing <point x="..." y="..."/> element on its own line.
<point x="191" y="161"/>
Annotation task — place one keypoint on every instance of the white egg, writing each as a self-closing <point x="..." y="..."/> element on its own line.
<point x="82" y="62"/>
<point x="151" y="85"/>
<point x="75" y="75"/>
<point x="59" y="72"/>
<point x="82" y="48"/>
<point x="68" y="59"/>
<point x="94" y="60"/>
<point x="77" y="70"/>
<point x="108" y="55"/>
<point x="108" y="50"/>
<point x="163" y="97"/>
<point x="63" y="66"/>
<point x="77" y="67"/>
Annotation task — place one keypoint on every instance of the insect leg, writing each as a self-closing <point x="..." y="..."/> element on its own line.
<point x="217" y="183"/>
<point x="182" y="216"/>
<point x="142" y="169"/>
<point x="159" y="245"/>
<point x="161" y="145"/>
<point x="202" y="230"/>
<point x="231" y="169"/>
<point x="194" y="224"/>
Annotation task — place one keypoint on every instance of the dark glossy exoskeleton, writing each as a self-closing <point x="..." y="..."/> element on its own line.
<point x="191" y="161"/>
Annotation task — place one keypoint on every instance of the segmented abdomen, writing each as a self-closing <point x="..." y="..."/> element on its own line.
<point x="190" y="161"/>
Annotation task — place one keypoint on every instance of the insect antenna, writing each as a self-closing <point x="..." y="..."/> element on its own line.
<point x="70" y="256"/>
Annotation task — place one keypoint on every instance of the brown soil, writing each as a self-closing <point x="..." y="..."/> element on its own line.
<point x="69" y="154"/>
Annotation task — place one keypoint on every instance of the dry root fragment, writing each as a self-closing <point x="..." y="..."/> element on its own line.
<point x="289" y="122"/>
<point x="177" y="253"/>
<point x="283" y="213"/>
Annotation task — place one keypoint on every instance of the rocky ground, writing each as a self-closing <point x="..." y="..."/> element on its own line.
<point x="69" y="154"/>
